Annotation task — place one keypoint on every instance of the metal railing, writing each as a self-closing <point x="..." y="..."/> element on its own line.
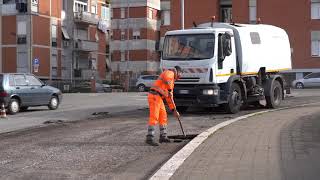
<point x="86" y="17"/>
<point x="85" y="45"/>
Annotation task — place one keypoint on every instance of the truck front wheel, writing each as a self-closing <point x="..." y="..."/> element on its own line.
<point x="275" y="98"/>
<point x="234" y="99"/>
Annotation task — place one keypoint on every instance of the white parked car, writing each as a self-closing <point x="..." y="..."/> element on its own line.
<point x="311" y="80"/>
<point x="144" y="82"/>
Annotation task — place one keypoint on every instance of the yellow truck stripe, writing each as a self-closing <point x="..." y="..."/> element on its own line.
<point x="251" y="73"/>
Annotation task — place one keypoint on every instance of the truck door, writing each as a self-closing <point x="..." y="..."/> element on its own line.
<point x="226" y="61"/>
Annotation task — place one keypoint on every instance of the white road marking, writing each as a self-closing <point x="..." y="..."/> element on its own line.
<point x="172" y="165"/>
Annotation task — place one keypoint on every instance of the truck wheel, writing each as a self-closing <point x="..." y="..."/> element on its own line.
<point x="234" y="99"/>
<point x="182" y="109"/>
<point x="275" y="98"/>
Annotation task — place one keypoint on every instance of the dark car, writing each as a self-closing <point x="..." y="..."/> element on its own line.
<point x="19" y="91"/>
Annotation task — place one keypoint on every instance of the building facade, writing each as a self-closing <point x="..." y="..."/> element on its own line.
<point x="299" y="18"/>
<point x="135" y="36"/>
<point x="55" y="39"/>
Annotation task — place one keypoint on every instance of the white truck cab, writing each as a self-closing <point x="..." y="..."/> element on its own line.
<point x="228" y="64"/>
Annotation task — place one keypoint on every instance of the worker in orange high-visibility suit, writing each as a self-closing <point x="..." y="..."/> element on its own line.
<point x="162" y="89"/>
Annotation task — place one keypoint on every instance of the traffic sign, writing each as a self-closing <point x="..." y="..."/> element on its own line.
<point x="36" y="64"/>
<point x="36" y="61"/>
<point x="36" y="68"/>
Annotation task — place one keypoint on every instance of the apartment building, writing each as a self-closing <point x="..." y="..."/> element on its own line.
<point x="135" y="34"/>
<point x="299" y="18"/>
<point x="55" y="39"/>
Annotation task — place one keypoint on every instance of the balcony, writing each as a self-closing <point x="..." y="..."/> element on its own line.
<point x="87" y="73"/>
<point x="9" y="9"/>
<point x="85" y="45"/>
<point x="84" y="73"/>
<point x="86" y="17"/>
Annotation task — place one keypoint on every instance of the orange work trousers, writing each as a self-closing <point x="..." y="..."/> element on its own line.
<point x="158" y="111"/>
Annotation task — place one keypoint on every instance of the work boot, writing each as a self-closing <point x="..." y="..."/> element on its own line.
<point x="164" y="139"/>
<point x="150" y="141"/>
<point x="163" y="134"/>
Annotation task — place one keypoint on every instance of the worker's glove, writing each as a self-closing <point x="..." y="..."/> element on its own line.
<point x="176" y="113"/>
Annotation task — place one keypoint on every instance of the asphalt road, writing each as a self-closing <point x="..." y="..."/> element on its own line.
<point x="74" y="107"/>
<point x="106" y="146"/>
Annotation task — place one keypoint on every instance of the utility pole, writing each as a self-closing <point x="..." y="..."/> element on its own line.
<point x="1" y="70"/>
<point x="128" y="50"/>
<point x="182" y="14"/>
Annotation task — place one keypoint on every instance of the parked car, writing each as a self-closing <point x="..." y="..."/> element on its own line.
<point x="85" y="87"/>
<point x="101" y="88"/>
<point x="19" y="91"/>
<point x="311" y="80"/>
<point x="145" y="82"/>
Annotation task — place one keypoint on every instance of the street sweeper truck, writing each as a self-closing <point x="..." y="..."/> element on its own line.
<point x="229" y="65"/>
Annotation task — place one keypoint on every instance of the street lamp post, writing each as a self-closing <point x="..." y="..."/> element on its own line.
<point x="182" y="14"/>
<point x="128" y="50"/>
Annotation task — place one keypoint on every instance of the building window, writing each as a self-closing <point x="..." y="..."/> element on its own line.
<point x="111" y="35"/>
<point x="315" y="9"/>
<point x="34" y="5"/>
<point x="122" y="13"/>
<point x="81" y="34"/>
<point x="165" y="18"/>
<point x="22" y="39"/>
<point x="122" y="35"/>
<point x="22" y="62"/>
<point x="54" y="65"/>
<point x="150" y="14"/>
<point x="79" y="6"/>
<point x="105" y="13"/>
<point x="54" y="35"/>
<point x="22" y="32"/>
<point x="21" y="5"/>
<point x="93" y="64"/>
<point x="6" y="1"/>
<point x="94" y="9"/>
<point x="226" y="13"/>
<point x="64" y="4"/>
<point x="253" y="11"/>
<point x="97" y="36"/>
<point x="315" y="43"/>
<point x="136" y="34"/>
<point x="122" y="56"/>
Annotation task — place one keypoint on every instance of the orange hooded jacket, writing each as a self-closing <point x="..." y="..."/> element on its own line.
<point x="164" y="86"/>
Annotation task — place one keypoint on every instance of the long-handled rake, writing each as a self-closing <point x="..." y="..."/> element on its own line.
<point x="180" y="138"/>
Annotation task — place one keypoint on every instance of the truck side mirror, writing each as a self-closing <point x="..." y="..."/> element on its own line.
<point x="221" y="55"/>
<point x="224" y="48"/>
<point x="227" y="44"/>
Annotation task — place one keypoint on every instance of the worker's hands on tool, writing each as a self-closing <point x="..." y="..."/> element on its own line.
<point x="176" y="113"/>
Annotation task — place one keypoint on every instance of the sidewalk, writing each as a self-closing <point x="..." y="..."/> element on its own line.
<point x="277" y="145"/>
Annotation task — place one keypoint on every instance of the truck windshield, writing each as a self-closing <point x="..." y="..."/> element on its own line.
<point x="188" y="47"/>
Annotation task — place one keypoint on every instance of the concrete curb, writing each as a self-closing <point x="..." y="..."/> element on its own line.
<point x="173" y="164"/>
